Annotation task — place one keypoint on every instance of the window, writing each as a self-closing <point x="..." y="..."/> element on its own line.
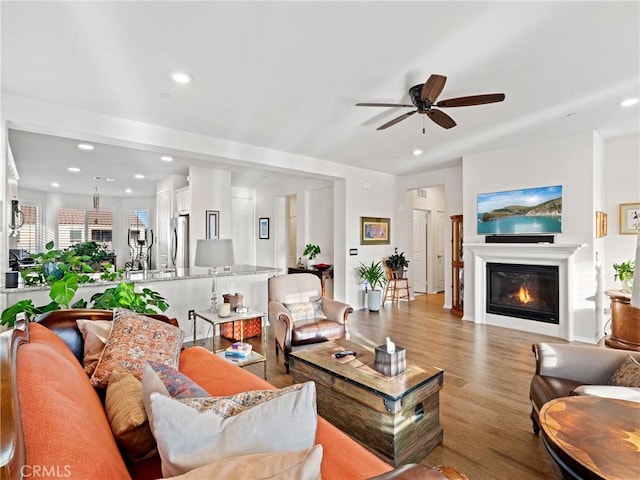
<point x="138" y="226"/>
<point x="30" y="236"/>
<point x="76" y="225"/>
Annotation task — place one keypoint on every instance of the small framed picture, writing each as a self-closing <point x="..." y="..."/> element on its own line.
<point x="629" y="218"/>
<point x="263" y="228"/>
<point x="213" y="223"/>
<point x="375" y="231"/>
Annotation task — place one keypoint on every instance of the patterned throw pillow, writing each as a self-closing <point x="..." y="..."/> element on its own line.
<point x="627" y="374"/>
<point x="306" y="310"/>
<point x="193" y="432"/>
<point x="134" y="339"/>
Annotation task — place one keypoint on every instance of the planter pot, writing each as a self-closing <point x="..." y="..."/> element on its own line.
<point x="625" y="325"/>
<point x="627" y="284"/>
<point x="374" y="300"/>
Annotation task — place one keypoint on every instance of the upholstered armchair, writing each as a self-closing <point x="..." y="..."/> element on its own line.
<point x="301" y="316"/>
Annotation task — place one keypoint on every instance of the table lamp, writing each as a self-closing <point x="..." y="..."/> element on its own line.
<point x="214" y="253"/>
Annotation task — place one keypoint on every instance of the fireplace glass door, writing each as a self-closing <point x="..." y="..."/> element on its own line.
<point x="523" y="291"/>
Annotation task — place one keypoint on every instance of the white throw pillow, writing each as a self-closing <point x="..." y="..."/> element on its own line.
<point x="302" y="465"/>
<point x="631" y="394"/>
<point x="193" y="432"/>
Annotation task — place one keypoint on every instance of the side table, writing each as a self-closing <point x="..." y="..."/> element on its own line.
<point x="215" y="320"/>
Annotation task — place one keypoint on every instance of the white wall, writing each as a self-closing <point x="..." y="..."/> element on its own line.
<point x="566" y="161"/>
<point x="621" y="181"/>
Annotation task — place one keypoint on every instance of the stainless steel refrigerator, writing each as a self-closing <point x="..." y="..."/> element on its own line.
<point x="179" y="251"/>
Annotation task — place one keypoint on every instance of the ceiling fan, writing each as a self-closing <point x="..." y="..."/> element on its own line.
<point x="423" y="97"/>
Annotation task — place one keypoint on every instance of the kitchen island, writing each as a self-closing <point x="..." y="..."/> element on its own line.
<point x="184" y="289"/>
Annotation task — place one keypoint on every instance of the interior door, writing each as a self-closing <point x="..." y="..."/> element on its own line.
<point x="439" y="236"/>
<point x="419" y="253"/>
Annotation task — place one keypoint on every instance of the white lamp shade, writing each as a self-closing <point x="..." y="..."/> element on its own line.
<point x="215" y="252"/>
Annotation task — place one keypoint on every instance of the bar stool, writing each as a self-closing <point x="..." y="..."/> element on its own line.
<point x="395" y="285"/>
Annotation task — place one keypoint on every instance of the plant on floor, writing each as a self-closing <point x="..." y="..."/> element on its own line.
<point x="311" y="251"/>
<point x="372" y="274"/>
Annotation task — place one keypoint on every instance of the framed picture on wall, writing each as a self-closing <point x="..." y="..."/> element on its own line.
<point x="263" y="229"/>
<point x="375" y="231"/>
<point x="629" y="218"/>
<point x="213" y="223"/>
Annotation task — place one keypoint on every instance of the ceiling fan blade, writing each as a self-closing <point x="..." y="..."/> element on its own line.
<point x="471" y="100"/>
<point x="396" y="120"/>
<point x="383" y="105"/>
<point x="432" y="88"/>
<point x="441" y="118"/>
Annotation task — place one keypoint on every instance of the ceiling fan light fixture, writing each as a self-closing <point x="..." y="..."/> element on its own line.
<point x="96" y="199"/>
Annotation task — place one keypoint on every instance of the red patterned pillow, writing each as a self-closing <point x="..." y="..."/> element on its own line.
<point x="134" y="339"/>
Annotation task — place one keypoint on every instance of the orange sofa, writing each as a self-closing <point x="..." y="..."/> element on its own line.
<point x="54" y="424"/>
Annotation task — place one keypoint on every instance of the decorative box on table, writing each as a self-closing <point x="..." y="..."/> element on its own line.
<point x="231" y="330"/>
<point x="390" y="364"/>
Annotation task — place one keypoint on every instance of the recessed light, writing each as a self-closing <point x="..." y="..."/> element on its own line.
<point x="180" y="77"/>
<point x="85" y="146"/>
<point x="55" y="184"/>
<point x="628" y="102"/>
<point x="73" y="169"/>
<point x="139" y="176"/>
<point x="128" y="190"/>
<point x="166" y="158"/>
<point x="417" y="152"/>
<point x="109" y="179"/>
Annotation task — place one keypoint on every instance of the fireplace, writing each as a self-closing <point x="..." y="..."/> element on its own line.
<point x="523" y="291"/>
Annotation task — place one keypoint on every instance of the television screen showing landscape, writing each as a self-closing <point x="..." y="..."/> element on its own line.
<point x="529" y="211"/>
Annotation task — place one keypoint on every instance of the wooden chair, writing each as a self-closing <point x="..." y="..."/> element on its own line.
<point x="395" y="285"/>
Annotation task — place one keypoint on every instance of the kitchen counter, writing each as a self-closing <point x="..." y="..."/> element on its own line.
<point x="185" y="290"/>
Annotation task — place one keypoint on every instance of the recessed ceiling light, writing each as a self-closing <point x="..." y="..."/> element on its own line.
<point x="55" y="184"/>
<point x="85" y="146"/>
<point x="166" y="158"/>
<point x="128" y="190"/>
<point x="417" y="152"/>
<point x="628" y="102"/>
<point x="73" y="169"/>
<point x="109" y="179"/>
<point x="180" y="77"/>
<point x="139" y="176"/>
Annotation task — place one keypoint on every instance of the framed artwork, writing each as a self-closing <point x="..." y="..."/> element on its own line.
<point x="375" y="231"/>
<point x="601" y="224"/>
<point x="263" y="229"/>
<point x="213" y="223"/>
<point x="629" y="218"/>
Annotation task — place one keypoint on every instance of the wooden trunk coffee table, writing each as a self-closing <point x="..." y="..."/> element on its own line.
<point x="593" y="437"/>
<point x="395" y="417"/>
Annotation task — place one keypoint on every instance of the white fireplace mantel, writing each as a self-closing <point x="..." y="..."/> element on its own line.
<point x="559" y="255"/>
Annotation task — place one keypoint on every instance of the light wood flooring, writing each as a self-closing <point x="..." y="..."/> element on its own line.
<point x="484" y="404"/>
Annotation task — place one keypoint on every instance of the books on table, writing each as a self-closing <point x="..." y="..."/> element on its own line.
<point x="238" y="350"/>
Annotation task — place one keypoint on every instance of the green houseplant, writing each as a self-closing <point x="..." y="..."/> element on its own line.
<point x="311" y="251"/>
<point x="398" y="262"/>
<point x="625" y="272"/>
<point x="374" y="276"/>
<point x="64" y="271"/>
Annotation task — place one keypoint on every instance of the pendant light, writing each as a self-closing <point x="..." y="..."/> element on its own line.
<point x="96" y="199"/>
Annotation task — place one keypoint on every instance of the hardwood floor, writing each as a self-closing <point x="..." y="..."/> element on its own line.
<point x="484" y="404"/>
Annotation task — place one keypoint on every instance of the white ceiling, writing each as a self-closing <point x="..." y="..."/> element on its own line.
<point x="286" y="76"/>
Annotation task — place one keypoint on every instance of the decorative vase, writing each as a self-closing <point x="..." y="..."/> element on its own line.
<point x="374" y="300"/>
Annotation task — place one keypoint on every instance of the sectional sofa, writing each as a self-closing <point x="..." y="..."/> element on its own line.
<point x="54" y="423"/>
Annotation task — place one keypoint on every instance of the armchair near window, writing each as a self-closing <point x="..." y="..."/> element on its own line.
<point x="301" y="316"/>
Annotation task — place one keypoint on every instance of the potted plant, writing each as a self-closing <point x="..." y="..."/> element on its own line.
<point x="373" y="276"/>
<point x="397" y="262"/>
<point x="311" y="251"/>
<point x="64" y="271"/>
<point x="624" y="272"/>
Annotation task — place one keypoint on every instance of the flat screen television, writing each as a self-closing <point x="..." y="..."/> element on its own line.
<point x="529" y="211"/>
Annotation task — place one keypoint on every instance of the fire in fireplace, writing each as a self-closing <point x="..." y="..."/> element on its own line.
<point x="523" y="291"/>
